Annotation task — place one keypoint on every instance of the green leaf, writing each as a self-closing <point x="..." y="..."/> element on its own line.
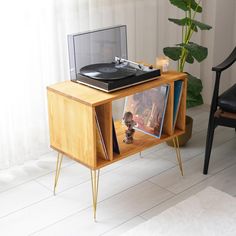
<point x="201" y="25"/>
<point x="194" y="85"/>
<point x="181" y="22"/>
<point x="194" y="27"/>
<point x="173" y="53"/>
<point x="188" y="21"/>
<point x="197" y="51"/>
<point x="182" y="4"/>
<point x="194" y="88"/>
<point x="189" y="59"/>
<point x="194" y="101"/>
<point x="186" y="5"/>
<point x="195" y="6"/>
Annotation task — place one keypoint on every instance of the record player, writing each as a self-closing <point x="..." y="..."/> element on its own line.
<point x="98" y="59"/>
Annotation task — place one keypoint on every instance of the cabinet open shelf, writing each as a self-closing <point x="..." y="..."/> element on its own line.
<point x="141" y="142"/>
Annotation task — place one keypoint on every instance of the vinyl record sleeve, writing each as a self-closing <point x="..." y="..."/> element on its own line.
<point x="101" y="147"/>
<point x="178" y="88"/>
<point x="148" y="109"/>
<point x="115" y="144"/>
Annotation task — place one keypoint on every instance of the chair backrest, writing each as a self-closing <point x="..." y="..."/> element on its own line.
<point x="221" y="67"/>
<point x="226" y="63"/>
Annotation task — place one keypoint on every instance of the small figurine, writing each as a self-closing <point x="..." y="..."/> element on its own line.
<point x="130" y="123"/>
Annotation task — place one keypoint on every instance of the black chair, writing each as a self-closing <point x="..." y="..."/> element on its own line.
<point x="223" y="107"/>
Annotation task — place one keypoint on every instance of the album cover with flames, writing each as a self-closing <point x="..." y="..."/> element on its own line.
<point x="148" y="109"/>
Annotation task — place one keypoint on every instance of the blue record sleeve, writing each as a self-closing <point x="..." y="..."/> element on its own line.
<point x="178" y="88"/>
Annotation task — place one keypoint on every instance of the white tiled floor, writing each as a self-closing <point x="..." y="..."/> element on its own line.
<point x="130" y="192"/>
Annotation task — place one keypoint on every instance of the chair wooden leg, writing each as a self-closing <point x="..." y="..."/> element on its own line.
<point x="209" y="141"/>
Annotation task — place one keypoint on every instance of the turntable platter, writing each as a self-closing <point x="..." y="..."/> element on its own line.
<point x="107" y="71"/>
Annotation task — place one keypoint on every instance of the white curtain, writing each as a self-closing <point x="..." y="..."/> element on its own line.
<point x="33" y="54"/>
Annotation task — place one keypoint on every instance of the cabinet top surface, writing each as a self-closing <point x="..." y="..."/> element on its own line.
<point x="94" y="97"/>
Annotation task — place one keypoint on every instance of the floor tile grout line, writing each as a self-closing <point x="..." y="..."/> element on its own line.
<point x="84" y="209"/>
<point x="204" y="130"/>
<point x="106" y="172"/>
<point x="71" y="188"/>
<point x="53" y="171"/>
<point x="141" y="217"/>
<point x="162" y="187"/>
<point x="175" y="166"/>
<point x="25" y="182"/>
<point x="176" y="194"/>
<point x="228" y="140"/>
<point x="13" y="212"/>
<point x="117" y="226"/>
<point x="58" y="221"/>
<point x="143" y="180"/>
<point x="167" y="199"/>
<point x="218" y="172"/>
<point x="88" y="180"/>
<point x="49" y="189"/>
<point x="51" y="196"/>
<point x="32" y="179"/>
<point x="207" y="177"/>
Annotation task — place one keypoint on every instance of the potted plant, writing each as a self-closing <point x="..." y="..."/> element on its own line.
<point x="188" y="52"/>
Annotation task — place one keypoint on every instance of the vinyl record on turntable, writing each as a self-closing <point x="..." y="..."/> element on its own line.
<point x="106" y="71"/>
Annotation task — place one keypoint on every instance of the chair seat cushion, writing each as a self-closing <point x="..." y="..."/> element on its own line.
<point x="227" y="100"/>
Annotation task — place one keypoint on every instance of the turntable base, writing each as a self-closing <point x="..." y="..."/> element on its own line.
<point x="110" y="77"/>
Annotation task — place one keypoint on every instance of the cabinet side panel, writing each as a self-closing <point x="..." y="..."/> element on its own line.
<point x="180" y="123"/>
<point x="71" y="127"/>
<point x="104" y="114"/>
<point x="168" y="122"/>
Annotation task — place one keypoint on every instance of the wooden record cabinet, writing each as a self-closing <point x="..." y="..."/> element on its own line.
<point x="73" y="130"/>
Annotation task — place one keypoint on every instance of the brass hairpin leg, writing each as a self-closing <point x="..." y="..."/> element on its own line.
<point x="178" y="156"/>
<point x="95" y="182"/>
<point x="58" y="169"/>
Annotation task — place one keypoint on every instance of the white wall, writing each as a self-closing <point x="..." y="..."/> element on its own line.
<point x="208" y="40"/>
<point x="224" y="37"/>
